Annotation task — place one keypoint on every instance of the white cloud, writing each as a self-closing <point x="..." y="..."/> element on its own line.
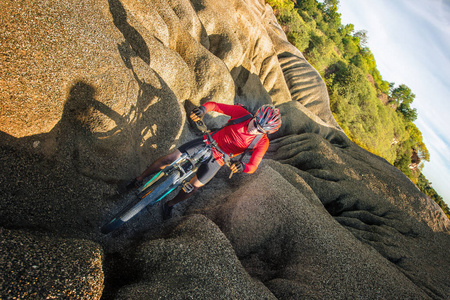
<point x="435" y="12"/>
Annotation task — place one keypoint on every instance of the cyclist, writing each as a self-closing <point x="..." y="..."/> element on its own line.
<point x="232" y="139"/>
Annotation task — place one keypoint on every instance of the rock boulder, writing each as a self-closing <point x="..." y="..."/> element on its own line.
<point x="94" y="91"/>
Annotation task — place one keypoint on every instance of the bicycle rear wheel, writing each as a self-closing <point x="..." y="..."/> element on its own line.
<point x="161" y="190"/>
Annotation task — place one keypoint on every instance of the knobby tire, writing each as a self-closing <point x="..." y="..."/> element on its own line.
<point x="160" y="190"/>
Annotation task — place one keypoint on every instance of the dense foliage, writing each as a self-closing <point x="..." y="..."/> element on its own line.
<point x="374" y="113"/>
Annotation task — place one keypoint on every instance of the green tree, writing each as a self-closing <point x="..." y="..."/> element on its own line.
<point x="331" y="15"/>
<point x="417" y="141"/>
<point x="306" y="5"/>
<point x="409" y="113"/>
<point x="297" y="31"/>
<point x="403" y="98"/>
<point x="362" y="35"/>
<point x="351" y="47"/>
<point x="402" y="94"/>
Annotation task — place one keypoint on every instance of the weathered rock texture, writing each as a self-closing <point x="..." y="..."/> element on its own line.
<point x="93" y="91"/>
<point x="34" y="266"/>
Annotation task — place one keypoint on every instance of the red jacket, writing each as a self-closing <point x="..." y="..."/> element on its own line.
<point x="234" y="139"/>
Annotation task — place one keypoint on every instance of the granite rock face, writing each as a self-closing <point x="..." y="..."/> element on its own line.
<point x="35" y="266"/>
<point x="194" y="260"/>
<point x="94" y="91"/>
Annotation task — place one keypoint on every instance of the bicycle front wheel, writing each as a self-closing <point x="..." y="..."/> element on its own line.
<point x="158" y="193"/>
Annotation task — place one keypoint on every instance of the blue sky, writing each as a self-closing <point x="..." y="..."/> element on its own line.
<point x="410" y="40"/>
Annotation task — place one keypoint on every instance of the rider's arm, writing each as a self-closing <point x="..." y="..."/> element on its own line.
<point x="257" y="156"/>
<point x="234" y="111"/>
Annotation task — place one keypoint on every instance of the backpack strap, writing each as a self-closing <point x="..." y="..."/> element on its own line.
<point x="239" y="120"/>
<point x="251" y="146"/>
<point x="234" y="121"/>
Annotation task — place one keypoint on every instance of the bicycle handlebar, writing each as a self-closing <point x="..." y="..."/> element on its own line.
<point x="203" y="128"/>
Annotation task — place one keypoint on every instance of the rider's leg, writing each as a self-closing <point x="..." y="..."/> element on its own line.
<point x="204" y="174"/>
<point x="164" y="161"/>
<point x="182" y="195"/>
<point x="160" y="164"/>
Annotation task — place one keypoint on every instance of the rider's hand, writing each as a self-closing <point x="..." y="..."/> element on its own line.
<point x="237" y="167"/>
<point x="198" y="113"/>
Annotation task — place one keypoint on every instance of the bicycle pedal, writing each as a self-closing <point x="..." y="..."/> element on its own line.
<point x="188" y="187"/>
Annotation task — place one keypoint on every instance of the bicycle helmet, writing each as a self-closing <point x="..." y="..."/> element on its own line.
<point x="268" y="119"/>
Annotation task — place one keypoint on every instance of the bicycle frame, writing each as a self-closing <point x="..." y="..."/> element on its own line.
<point x="179" y="164"/>
<point x="172" y="176"/>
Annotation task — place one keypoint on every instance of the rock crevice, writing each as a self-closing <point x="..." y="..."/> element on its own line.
<point x="94" y="91"/>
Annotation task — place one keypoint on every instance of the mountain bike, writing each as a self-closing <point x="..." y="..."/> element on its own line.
<point x="167" y="180"/>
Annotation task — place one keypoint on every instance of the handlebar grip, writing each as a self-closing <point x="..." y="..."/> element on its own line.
<point x="201" y="126"/>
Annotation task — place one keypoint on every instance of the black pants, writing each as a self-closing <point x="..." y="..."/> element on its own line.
<point x="209" y="168"/>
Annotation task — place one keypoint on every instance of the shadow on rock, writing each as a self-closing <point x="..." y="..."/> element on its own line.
<point x="132" y="36"/>
<point x="64" y="181"/>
